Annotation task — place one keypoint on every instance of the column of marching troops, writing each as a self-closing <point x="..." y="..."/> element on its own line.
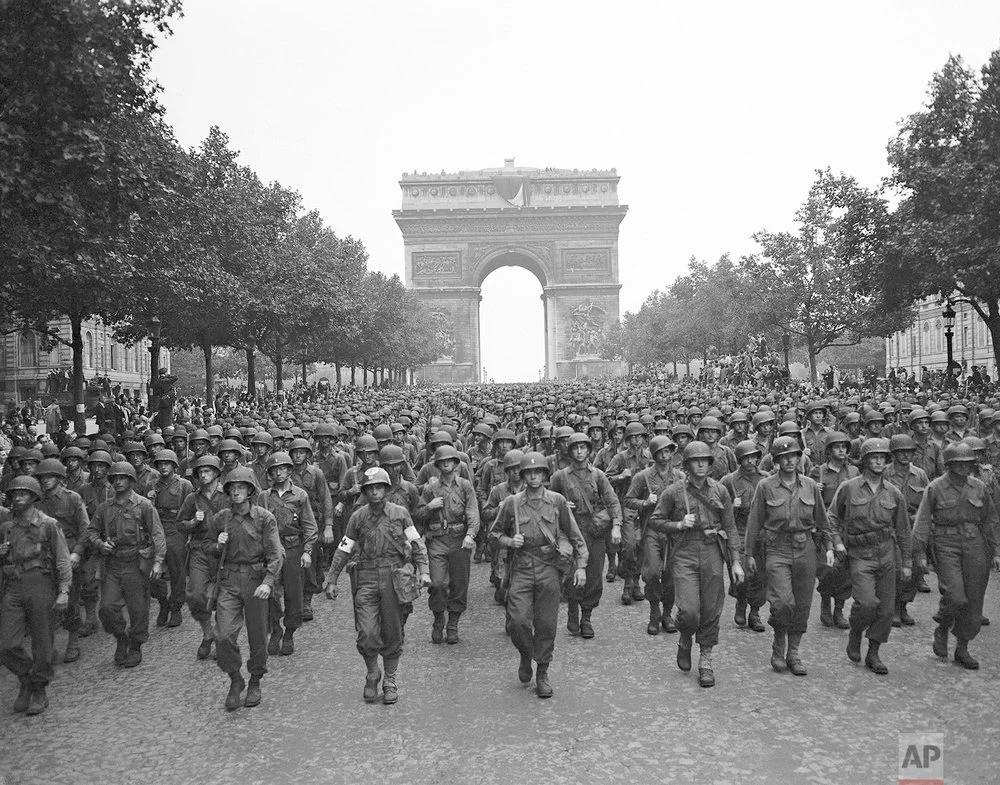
<point x="559" y="488"/>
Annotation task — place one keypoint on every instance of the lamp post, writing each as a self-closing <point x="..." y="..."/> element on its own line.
<point x="154" y="362"/>
<point x="948" y="314"/>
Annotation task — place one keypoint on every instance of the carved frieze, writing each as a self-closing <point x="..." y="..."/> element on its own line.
<point x="540" y="224"/>
<point x="587" y="261"/>
<point x="437" y="264"/>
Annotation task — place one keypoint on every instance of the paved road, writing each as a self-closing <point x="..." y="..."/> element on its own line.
<point x="622" y="711"/>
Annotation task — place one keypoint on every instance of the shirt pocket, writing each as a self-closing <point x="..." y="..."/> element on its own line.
<point x="885" y="510"/>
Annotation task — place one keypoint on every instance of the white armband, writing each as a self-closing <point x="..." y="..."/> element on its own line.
<point x="346" y="545"/>
<point x="411" y="533"/>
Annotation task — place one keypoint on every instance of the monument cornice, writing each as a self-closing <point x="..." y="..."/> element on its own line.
<point x="499" y="221"/>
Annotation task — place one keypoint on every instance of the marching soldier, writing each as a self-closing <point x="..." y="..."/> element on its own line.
<point x="387" y="542"/>
<point x="512" y="485"/>
<point x="168" y="494"/>
<point x="537" y="528"/>
<point x="311" y="479"/>
<point x="912" y="481"/>
<point x="623" y="467"/>
<point x="36" y="578"/>
<point x="96" y="490"/>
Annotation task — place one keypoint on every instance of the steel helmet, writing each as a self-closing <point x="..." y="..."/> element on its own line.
<point x="837" y="437"/>
<point x="682" y="429"/>
<point x="300" y="444"/>
<point x="851" y="418"/>
<point x="738" y="416"/>
<point x="446" y="452"/>
<point x="210" y="462"/>
<point x="579" y="438"/>
<point x="390" y="455"/>
<point x="73" y="452"/>
<point x="957" y="409"/>
<point x="697" y="450"/>
<point x="785" y="445"/>
<point x="658" y="443"/>
<point x="533" y="460"/>
<point x="563" y="432"/>
<point x="215" y="430"/>
<point x="763" y="416"/>
<point x="504" y="435"/>
<point x="131" y="447"/>
<point x="595" y="422"/>
<point x="747" y="447"/>
<point x="230" y="445"/>
<point x="382" y="433"/>
<point x="100" y="456"/>
<point x="121" y="468"/>
<point x="166" y="455"/>
<point x="974" y="442"/>
<point x="242" y="474"/>
<point x="634" y="429"/>
<point x="874" y="447"/>
<point x="32" y="455"/>
<point x="281" y="458"/>
<point x="789" y="427"/>
<point x="375" y="475"/>
<point x="661" y="425"/>
<point x="199" y="435"/>
<point x="939" y="417"/>
<point x="814" y="405"/>
<point x="154" y="438"/>
<point x="512" y="459"/>
<point x="50" y="466"/>
<point x="262" y="437"/>
<point x="901" y="441"/>
<point x="482" y="429"/>
<point x="708" y="423"/>
<point x="958" y="451"/>
<point x="50" y="450"/>
<point x="25" y="482"/>
<point x="366" y="443"/>
<point x="874" y="416"/>
<point x="323" y="429"/>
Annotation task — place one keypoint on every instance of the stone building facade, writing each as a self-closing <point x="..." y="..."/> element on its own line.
<point x="923" y="344"/>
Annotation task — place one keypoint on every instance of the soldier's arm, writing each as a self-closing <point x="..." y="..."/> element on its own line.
<point x="95" y="529"/>
<point x="568" y="524"/>
<point x="308" y="520"/>
<point x="273" y="553"/>
<point x="419" y="548"/>
<point x="835" y="513"/>
<point x="325" y="500"/>
<point x="755" y="519"/>
<point x="902" y="523"/>
<point x="344" y="550"/>
<point x="663" y="513"/>
<point x="471" y="510"/>
<point x="822" y="521"/>
<point x="491" y="507"/>
<point x="922" y="522"/>
<point x="57" y="541"/>
<point x="185" y="515"/>
<point x="155" y="528"/>
<point x="990" y="524"/>
<point x="729" y="524"/>
<point x="504" y="523"/>
<point x="637" y="493"/>
<point x="609" y="497"/>
<point x="81" y="523"/>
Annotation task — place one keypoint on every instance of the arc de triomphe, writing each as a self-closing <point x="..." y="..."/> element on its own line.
<point x="560" y="224"/>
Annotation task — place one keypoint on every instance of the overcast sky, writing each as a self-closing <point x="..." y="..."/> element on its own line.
<point x="715" y="114"/>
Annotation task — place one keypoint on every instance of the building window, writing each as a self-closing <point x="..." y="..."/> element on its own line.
<point x="89" y="347"/>
<point x="27" y="350"/>
<point x="114" y="357"/>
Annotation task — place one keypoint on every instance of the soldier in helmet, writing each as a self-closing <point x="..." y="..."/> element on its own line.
<point x="513" y="484"/>
<point x="597" y="512"/>
<point x="36" y="577"/>
<point x="816" y="431"/>
<point x="385" y="540"/>
<point x="128" y="533"/>
<point x="958" y="424"/>
<point x="542" y="538"/>
<point x="145" y="477"/>
<point x="247" y="539"/>
<point x="623" y="467"/>
<point x="870" y="514"/>
<point x="788" y="514"/>
<point x="958" y="520"/>
<point x="911" y="481"/>
<point x="199" y="448"/>
<point x="742" y="484"/>
<point x="289" y="504"/>
<point x="167" y="495"/>
<point x="310" y="478"/>
<point x="697" y="513"/>
<point x="449" y="513"/>
<point x="261" y="446"/>
<point x="69" y="511"/>
<point x="95" y="491"/>
<point x="73" y="459"/>
<point x="723" y="458"/>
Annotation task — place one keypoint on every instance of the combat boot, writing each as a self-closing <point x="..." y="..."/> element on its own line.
<point x="121" y="650"/>
<point x="684" y="652"/>
<point x="175" y="618"/>
<point x="72" y="653"/>
<point x="962" y="657"/>
<point x="307" y="607"/>
<point x="371" y="684"/>
<point x="163" y="615"/>
<point x="792" y="658"/>
<point x="252" y="697"/>
<point x="390" y="694"/>
<point x="896" y="621"/>
<point x="451" y="635"/>
<point x="524" y="672"/>
<point x="23" y="696"/>
<point x="667" y="622"/>
<point x="740" y="617"/>
<point x="637" y="591"/>
<point x="904" y="616"/>
<point x="573" y="618"/>
<point x="542" y="686"/>
<point x="287" y="643"/>
<point x="39" y="701"/>
<point x="90" y="624"/>
<point x="706" y="676"/>
<point x="839" y="620"/>
<point x="854" y="646"/>
<point x="274" y="642"/>
<point x="778" y="651"/>
<point x="922" y="586"/>
<point x="655" y="616"/>
<point x="586" y="627"/>
<point x="627" y="592"/>
<point x="236" y="686"/>
<point x="826" y="611"/>
<point x="477" y="556"/>
<point x="610" y="577"/>
<point x="872" y="661"/>
<point x="204" y="649"/>
<point x="753" y="620"/>
<point x="941" y="641"/>
<point x="134" y="656"/>
<point x="437" y="629"/>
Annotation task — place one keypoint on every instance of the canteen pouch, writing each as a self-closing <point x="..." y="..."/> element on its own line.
<point x="405" y="583"/>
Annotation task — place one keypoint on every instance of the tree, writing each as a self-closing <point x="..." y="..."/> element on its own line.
<point x="946" y="165"/>
<point x="823" y="284"/>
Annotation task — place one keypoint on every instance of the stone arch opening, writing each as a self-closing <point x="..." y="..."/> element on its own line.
<point x="511" y="325"/>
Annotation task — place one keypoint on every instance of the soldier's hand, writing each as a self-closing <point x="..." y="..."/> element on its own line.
<point x="339" y="508"/>
<point x="74" y="560"/>
<point x="517" y="541"/>
<point x="306" y="561"/>
<point x="570" y="504"/>
<point x="157" y="570"/>
<point x="738" y="574"/>
<point x="223" y="538"/>
<point x="328" y="536"/>
<point x="830" y="559"/>
<point x="262" y="592"/>
<point x="106" y="547"/>
<point x="425" y="580"/>
<point x="436" y="503"/>
<point x="616" y="534"/>
<point x="330" y="589"/>
<point x="626" y="473"/>
<point x="580" y="577"/>
<point x="468" y="543"/>
<point x="4" y="549"/>
<point x="689" y="521"/>
<point x="907" y="573"/>
<point x="752" y="565"/>
<point x="199" y="516"/>
<point x="62" y="602"/>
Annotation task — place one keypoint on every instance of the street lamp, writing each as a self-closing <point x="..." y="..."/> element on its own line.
<point x="948" y="314"/>
<point x="154" y="361"/>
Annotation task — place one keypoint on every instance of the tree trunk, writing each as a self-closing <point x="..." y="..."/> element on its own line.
<point x="79" y="406"/>
<point x="206" y="347"/>
<point x="354" y="371"/>
<point x="993" y="324"/>
<point x="811" y="349"/>
<point x="364" y="375"/>
<point x="675" y="368"/>
<point x="687" y="362"/>
<point x="251" y="371"/>
<point x="336" y="368"/>
<point x="303" y="373"/>
<point x="279" y="367"/>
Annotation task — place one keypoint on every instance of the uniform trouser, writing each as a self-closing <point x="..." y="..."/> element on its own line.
<point x="962" y="561"/>
<point x="589" y="597"/>
<point x="873" y="588"/>
<point x="169" y="589"/>
<point x="285" y="604"/>
<point x="659" y="578"/>
<point x="906" y="590"/>
<point x="202" y="570"/>
<point x="90" y="582"/>
<point x="450" y="564"/>
<point x="238" y="605"/>
<point x="71" y="618"/>
<point x="628" y="551"/>
<point x="312" y="579"/>
<point x="377" y="614"/>
<point x="533" y="608"/>
<point x="27" y="610"/>
<point x="125" y="585"/>
<point x="610" y="549"/>
<point x="833" y="582"/>
<point x="790" y="562"/>
<point x="699" y="586"/>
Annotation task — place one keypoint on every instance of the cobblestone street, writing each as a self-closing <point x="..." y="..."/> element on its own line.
<point x="622" y="711"/>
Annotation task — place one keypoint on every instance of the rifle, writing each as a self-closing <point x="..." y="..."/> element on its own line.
<point x="213" y="598"/>
<point x="509" y="556"/>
